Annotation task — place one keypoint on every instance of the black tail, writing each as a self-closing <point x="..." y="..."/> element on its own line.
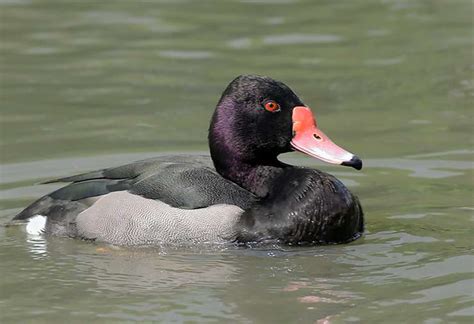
<point x="53" y="208"/>
<point x="68" y="199"/>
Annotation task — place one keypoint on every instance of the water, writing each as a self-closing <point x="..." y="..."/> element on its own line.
<point x="96" y="83"/>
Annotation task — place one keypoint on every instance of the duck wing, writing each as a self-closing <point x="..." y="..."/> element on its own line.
<point x="187" y="182"/>
<point x="136" y="168"/>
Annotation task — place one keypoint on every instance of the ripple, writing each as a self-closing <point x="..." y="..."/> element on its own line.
<point x="377" y="252"/>
<point x="414" y="216"/>
<point x="422" y="168"/>
<point x="54" y="168"/>
<point x="403" y="5"/>
<point x="269" y="1"/>
<point x="443" y="153"/>
<point x="457" y="264"/>
<point x="290" y="39"/>
<point x="378" y="32"/>
<point x="46" y="35"/>
<point x="462" y="288"/>
<point x="312" y="61"/>
<point x="41" y="50"/>
<point x="15" y="2"/>
<point x="240" y="43"/>
<point x="398" y="238"/>
<point x="418" y="168"/>
<point x="37" y="245"/>
<point x="28" y="191"/>
<point x="274" y="21"/>
<point x="349" y="182"/>
<point x="187" y="55"/>
<point x="384" y="61"/>
<point x="469" y="311"/>
<point x="152" y="23"/>
<point x="420" y="122"/>
<point x="109" y="17"/>
<point x="85" y="41"/>
<point x="138" y="270"/>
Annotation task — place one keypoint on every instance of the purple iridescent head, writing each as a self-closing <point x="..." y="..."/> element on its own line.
<point x="258" y="118"/>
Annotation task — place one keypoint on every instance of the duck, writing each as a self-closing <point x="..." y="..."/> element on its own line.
<point x="242" y="193"/>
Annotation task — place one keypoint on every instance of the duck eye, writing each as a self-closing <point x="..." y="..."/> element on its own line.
<point x="272" y="106"/>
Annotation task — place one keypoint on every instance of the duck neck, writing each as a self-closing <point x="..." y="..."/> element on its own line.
<point x="255" y="177"/>
<point x="235" y="154"/>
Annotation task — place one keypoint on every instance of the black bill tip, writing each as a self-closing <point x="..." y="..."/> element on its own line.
<point x="355" y="162"/>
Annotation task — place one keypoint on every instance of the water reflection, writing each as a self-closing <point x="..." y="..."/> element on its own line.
<point x="170" y="284"/>
<point x="138" y="271"/>
<point x="37" y="245"/>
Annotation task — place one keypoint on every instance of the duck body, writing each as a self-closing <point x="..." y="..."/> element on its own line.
<point x="172" y="199"/>
<point x="241" y="193"/>
<point x="306" y="206"/>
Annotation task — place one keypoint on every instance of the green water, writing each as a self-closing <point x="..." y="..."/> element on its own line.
<point x="89" y="84"/>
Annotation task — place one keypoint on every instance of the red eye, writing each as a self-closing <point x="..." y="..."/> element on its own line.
<point x="272" y="106"/>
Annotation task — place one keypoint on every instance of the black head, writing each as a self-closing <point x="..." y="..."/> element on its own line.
<point x="258" y="118"/>
<point x="253" y="119"/>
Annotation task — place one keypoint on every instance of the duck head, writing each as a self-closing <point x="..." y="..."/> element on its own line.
<point x="258" y="118"/>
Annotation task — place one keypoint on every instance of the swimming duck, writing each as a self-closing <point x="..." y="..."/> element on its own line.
<point x="241" y="193"/>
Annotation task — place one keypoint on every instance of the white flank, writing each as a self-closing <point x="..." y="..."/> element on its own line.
<point x="36" y="225"/>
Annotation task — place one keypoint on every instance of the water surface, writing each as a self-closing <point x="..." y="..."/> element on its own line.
<point x="92" y="84"/>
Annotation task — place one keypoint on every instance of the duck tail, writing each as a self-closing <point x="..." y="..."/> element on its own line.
<point x="39" y="207"/>
<point x="54" y="209"/>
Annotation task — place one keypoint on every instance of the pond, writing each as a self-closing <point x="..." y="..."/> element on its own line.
<point x="90" y="84"/>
